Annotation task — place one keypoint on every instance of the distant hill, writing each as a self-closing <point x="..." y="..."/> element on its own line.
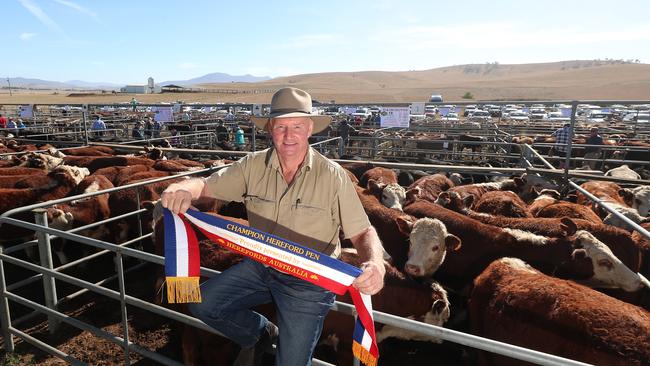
<point x="28" y="83"/>
<point x="218" y="77"/>
<point x="578" y="79"/>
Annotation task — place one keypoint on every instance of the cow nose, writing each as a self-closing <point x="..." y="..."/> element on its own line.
<point x="412" y="270"/>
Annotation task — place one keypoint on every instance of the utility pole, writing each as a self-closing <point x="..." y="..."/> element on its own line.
<point x="9" y="82"/>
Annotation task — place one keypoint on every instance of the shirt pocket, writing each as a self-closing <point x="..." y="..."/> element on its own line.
<point x="259" y="206"/>
<point x="311" y="219"/>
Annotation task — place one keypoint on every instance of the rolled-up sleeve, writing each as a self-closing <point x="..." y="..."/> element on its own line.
<point x="228" y="184"/>
<point x="351" y="213"/>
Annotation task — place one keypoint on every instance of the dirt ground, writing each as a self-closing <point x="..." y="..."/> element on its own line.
<point x="145" y="329"/>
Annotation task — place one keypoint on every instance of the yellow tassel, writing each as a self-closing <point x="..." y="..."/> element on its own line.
<point x="183" y="289"/>
<point x="363" y="355"/>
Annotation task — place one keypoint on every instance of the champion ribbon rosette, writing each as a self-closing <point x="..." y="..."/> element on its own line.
<point x="182" y="266"/>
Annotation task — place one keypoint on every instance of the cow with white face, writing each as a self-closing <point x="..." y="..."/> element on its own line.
<point x="392" y="195"/>
<point x="608" y="270"/>
<point x="641" y="199"/>
<point x="429" y="242"/>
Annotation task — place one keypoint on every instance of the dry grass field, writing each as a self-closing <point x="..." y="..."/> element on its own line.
<point x="567" y="80"/>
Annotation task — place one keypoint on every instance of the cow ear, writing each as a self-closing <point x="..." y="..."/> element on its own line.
<point x="443" y="198"/>
<point x="568" y="226"/>
<point x="579" y="254"/>
<point x="404" y="224"/>
<point x="452" y="242"/>
<point x="519" y="181"/>
<point x="627" y="195"/>
<point x="468" y="200"/>
<point x="374" y="186"/>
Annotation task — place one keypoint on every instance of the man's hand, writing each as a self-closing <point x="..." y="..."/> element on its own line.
<point x="371" y="279"/>
<point x="178" y="196"/>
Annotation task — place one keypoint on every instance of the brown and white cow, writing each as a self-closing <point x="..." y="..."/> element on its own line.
<point x="579" y="255"/>
<point x="427" y="303"/>
<point x="513" y="303"/>
<point x="502" y="203"/>
<point x="428" y="188"/>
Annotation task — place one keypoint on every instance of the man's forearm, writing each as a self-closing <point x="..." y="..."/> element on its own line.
<point x="368" y="246"/>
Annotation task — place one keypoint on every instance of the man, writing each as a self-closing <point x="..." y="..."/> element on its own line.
<point x="222" y="132"/>
<point x="134" y="103"/>
<point x="3" y="121"/>
<point x="593" y="152"/>
<point x="344" y="132"/>
<point x="562" y="136"/>
<point x="98" y="126"/>
<point x="291" y="191"/>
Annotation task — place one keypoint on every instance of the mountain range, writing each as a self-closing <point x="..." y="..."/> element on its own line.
<point x="31" y="83"/>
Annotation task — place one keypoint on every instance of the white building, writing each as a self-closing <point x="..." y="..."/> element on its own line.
<point x="150" y="88"/>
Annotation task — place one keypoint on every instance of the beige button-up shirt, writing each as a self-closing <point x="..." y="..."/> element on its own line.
<point x="320" y="200"/>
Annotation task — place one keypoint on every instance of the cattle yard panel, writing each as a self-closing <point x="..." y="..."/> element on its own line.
<point x="121" y="251"/>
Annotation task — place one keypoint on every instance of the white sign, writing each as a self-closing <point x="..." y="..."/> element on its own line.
<point x="394" y="117"/>
<point x="164" y="114"/>
<point x="26" y="111"/>
<point x="177" y="108"/>
<point x="417" y="108"/>
<point x="257" y="110"/>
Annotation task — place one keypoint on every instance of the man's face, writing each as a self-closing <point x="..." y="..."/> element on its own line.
<point x="594" y="132"/>
<point x="291" y="135"/>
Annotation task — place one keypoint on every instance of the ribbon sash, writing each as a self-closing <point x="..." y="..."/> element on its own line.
<point x="182" y="266"/>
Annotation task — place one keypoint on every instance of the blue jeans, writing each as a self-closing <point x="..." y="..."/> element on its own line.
<point x="301" y="308"/>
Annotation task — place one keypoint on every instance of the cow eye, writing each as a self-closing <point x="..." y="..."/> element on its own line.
<point x="606" y="263"/>
<point x="435" y="248"/>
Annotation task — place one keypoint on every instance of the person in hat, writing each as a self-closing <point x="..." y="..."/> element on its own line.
<point x="292" y="191"/>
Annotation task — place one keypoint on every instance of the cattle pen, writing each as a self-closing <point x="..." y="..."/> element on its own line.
<point x="492" y="148"/>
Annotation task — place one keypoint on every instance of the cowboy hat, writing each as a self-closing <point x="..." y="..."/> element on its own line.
<point x="292" y="102"/>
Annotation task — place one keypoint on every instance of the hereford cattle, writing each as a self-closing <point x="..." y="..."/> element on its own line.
<point x="383" y="182"/>
<point x="624" y="172"/>
<point x="9" y="181"/>
<point x="40" y="161"/>
<point x="545" y="197"/>
<point x="516" y="185"/>
<point x="514" y="303"/>
<point x="578" y="255"/>
<point x="426" y="303"/>
<point x="502" y="203"/>
<point x="615" y="197"/>
<point x="91" y="151"/>
<point x="394" y="238"/>
<point x="640" y="199"/>
<point x="619" y="240"/>
<point x="120" y="173"/>
<point x="175" y="166"/>
<point x="570" y="210"/>
<point x="427" y="188"/>
<point x="21" y="171"/>
<point x="94" y="163"/>
<point x="645" y="247"/>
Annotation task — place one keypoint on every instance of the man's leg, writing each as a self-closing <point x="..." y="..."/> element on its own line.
<point x="301" y="309"/>
<point x="227" y="299"/>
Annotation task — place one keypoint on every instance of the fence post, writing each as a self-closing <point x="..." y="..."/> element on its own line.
<point x="45" y="255"/>
<point x="567" y="160"/>
<point x="253" y="137"/>
<point x="84" y="117"/>
<point x="5" y="316"/>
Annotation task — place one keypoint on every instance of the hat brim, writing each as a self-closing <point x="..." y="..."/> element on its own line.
<point x="320" y="122"/>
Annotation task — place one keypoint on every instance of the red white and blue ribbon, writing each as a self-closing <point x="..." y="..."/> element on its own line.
<point x="182" y="253"/>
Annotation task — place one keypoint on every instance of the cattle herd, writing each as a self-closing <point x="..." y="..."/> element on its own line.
<point x="511" y="259"/>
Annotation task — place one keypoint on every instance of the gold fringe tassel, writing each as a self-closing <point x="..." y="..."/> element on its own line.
<point x="183" y="289"/>
<point x="363" y="355"/>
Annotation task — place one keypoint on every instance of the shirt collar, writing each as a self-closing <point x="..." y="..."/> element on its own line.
<point x="273" y="161"/>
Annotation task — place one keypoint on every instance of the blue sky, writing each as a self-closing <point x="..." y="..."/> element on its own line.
<point x="127" y="41"/>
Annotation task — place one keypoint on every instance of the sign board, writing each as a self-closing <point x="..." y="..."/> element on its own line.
<point x="394" y="117"/>
<point x="257" y="110"/>
<point x="417" y="108"/>
<point x="26" y="111"/>
<point x="177" y="108"/>
<point x="164" y="114"/>
<point x="444" y="111"/>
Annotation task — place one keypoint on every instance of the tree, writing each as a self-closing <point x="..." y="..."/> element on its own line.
<point x="468" y="95"/>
